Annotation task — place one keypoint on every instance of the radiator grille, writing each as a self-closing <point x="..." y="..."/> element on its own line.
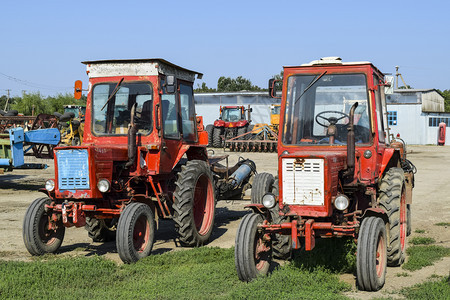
<point x="73" y="169"/>
<point x="303" y="181"/>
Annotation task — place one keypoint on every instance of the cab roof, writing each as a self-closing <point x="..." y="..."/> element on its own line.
<point x="136" y="67"/>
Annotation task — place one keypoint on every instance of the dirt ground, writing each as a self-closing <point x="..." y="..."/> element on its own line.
<point x="431" y="204"/>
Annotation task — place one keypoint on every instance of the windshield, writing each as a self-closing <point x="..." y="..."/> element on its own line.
<point x="276" y="110"/>
<point x="115" y="117"/>
<point x="74" y="110"/>
<point x="231" y="114"/>
<point x="320" y="115"/>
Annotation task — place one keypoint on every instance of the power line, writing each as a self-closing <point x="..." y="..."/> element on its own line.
<point x="31" y="84"/>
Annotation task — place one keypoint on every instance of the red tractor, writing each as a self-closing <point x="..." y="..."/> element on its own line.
<point x="338" y="175"/>
<point x="143" y="158"/>
<point x="232" y="123"/>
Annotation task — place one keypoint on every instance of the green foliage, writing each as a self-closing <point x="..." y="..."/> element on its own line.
<point x="201" y="273"/>
<point x="403" y="274"/>
<point x="49" y="105"/>
<point x="204" y="89"/>
<point x="419" y="231"/>
<point x="405" y="87"/>
<point x="442" y="224"/>
<point x="337" y="255"/>
<point x="227" y="84"/>
<point x="446" y="95"/>
<point x="423" y="256"/>
<point x="429" y="290"/>
<point x="421" y="240"/>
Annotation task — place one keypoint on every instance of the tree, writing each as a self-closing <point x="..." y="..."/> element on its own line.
<point x="30" y="103"/>
<point x="227" y="84"/>
<point x="446" y="95"/>
<point x="204" y="89"/>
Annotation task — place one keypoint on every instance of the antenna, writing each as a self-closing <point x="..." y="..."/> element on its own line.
<point x="401" y="77"/>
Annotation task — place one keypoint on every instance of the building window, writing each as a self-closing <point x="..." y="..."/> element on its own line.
<point x="434" y="122"/>
<point x="392" y="118"/>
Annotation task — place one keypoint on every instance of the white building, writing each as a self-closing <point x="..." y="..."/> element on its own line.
<point x="415" y="114"/>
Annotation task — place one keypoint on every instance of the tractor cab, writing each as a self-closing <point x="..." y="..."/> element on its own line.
<point x="232" y="113"/>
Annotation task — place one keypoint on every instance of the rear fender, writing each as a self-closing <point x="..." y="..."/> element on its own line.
<point x="259" y="209"/>
<point x="376" y="212"/>
<point x="391" y="158"/>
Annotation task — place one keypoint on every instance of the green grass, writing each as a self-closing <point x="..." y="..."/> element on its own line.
<point x="423" y="256"/>
<point x="419" y="231"/>
<point x="442" y="224"/>
<point x="202" y="273"/>
<point x="336" y="255"/>
<point x="420" y="240"/>
<point x="403" y="274"/>
<point x="429" y="290"/>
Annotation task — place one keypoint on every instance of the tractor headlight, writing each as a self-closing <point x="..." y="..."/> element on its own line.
<point x="103" y="185"/>
<point x="341" y="202"/>
<point x="50" y="185"/>
<point x="269" y="200"/>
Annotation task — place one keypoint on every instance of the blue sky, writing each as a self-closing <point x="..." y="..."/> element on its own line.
<point x="43" y="42"/>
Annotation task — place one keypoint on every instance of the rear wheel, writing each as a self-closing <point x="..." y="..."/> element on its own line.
<point x="262" y="184"/>
<point x="99" y="231"/>
<point x="282" y="244"/>
<point x="209" y="129"/>
<point x="135" y="232"/>
<point x="217" y="140"/>
<point x="371" y="258"/>
<point x="393" y="201"/>
<point x="194" y="203"/>
<point x="40" y="234"/>
<point x="253" y="251"/>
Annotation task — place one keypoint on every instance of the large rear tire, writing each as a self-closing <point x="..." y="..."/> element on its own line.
<point x="262" y="184"/>
<point x="282" y="244"/>
<point x="371" y="255"/>
<point x="98" y="231"/>
<point x="37" y="236"/>
<point x="253" y="253"/>
<point x="135" y="232"/>
<point x="217" y="140"/>
<point x="393" y="201"/>
<point x="194" y="203"/>
<point x="209" y="129"/>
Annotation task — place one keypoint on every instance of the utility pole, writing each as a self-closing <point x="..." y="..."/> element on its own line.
<point x="396" y="75"/>
<point x="7" y="99"/>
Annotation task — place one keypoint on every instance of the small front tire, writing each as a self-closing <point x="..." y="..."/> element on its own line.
<point x="253" y="250"/>
<point x="135" y="232"/>
<point x="38" y="237"/>
<point x="371" y="258"/>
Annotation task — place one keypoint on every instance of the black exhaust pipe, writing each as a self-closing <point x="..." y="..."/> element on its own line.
<point x="132" y="146"/>
<point x="350" y="172"/>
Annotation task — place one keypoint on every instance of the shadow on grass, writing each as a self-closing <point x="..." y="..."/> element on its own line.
<point x="335" y="254"/>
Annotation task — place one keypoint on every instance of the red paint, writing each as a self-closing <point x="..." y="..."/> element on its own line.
<point x="442" y="129"/>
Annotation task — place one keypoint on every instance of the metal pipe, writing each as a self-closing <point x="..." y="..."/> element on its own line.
<point x="351" y="144"/>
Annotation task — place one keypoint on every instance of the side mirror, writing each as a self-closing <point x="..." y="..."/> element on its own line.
<point x="170" y="84"/>
<point x="272" y="88"/>
<point x="78" y="89"/>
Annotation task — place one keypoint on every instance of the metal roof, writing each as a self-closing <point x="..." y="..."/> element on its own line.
<point x="142" y="60"/>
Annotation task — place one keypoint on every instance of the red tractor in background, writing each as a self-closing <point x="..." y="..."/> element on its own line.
<point x="338" y="175"/>
<point x="231" y="123"/>
<point x="143" y="158"/>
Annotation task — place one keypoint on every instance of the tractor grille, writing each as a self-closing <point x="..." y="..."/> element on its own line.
<point x="73" y="169"/>
<point x="303" y="181"/>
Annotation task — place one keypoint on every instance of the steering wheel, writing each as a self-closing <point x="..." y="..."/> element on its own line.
<point x="331" y="120"/>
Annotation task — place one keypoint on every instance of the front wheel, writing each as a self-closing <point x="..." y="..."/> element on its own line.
<point x="135" y="232"/>
<point x="371" y="258"/>
<point x="41" y="234"/>
<point x="194" y="203"/>
<point x="253" y="251"/>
